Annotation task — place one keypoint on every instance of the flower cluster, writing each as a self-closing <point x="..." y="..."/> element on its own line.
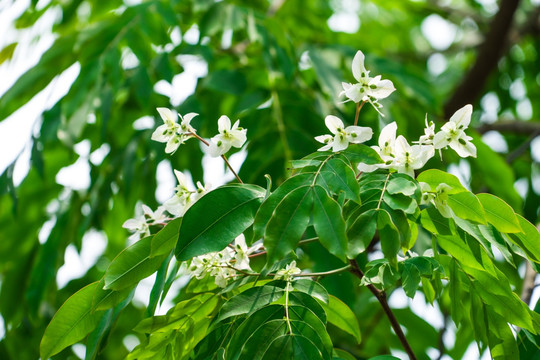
<point x="183" y="198"/>
<point x="140" y="225"/>
<point x="288" y="273"/>
<point x="370" y="89"/>
<point x="227" y="137"/>
<point x="171" y="132"/>
<point x="223" y="265"/>
<point x="342" y="135"/>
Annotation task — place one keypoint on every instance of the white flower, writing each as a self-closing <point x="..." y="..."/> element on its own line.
<point x="387" y="140"/>
<point x="289" y="272"/>
<point x="171" y="132"/>
<point x="183" y="198"/>
<point x="342" y="136"/>
<point x="409" y="158"/>
<point x="367" y="89"/>
<point x="437" y="197"/>
<point x="227" y="137"/>
<point x="453" y="133"/>
<point x="140" y="225"/>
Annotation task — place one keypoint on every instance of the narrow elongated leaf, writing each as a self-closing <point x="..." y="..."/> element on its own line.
<point x="499" y="213"/>
<point x="250" y="300"/>
<point x="434" y="178"/>
<point x="165" y="240"/>
<point x="132" y="265"/>
<point x="434" y="222"/>
<point x="467" y="206"/>
<point x="72" y="322"/>
<point x="288" y="223"/>
<point x="269" y="205"/>
<point x="528" y="240"/>
<point x="340" y="315"/>
<point x="410" y="276"/>
<point x="502" y="344"/>
<point x="329" y="223"/>
<point x="389" y="235"/>
<point x="217" y="219"/>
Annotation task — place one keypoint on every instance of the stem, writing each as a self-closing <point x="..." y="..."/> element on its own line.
<point x="222" y="156"/>
<point x="317" y="274"/>
<point x="358" y="108"/>
<point x="287" y="307"/>
<point x="381" y="297"/>
<point x="301" y="242"/>
<point x="383" y="190"/>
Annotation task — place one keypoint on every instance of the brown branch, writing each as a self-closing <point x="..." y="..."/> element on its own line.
<point x="528" y="284"/>
<point x="511" y="126"/>
<point x="489" y="54"/>
<point x="381" y="297"/>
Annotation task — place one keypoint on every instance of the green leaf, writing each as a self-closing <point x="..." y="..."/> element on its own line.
<point x="340" y="315"/>
<point x="434" y="222"/>
<point x="502" y="344"/>
<point x="250" y="300"/>
<point x="72" y="322"/>
<point x="467" y="206"/>
<point x="311" y="288"/>
<point x="401" y="185"/>
<point x="361" y="233"/>
<point x="360" y="153"/>
<point x="384" y="357"/>
<point x="434" y="177"/>
<point x="217" y="219"/>
<point x="288" y="222"/>
<point x="499" y="213"/>
<point x="528" y="240"/>
<point x="389" y="235"/>
<point x="269" y="205"/>
<point x="132" y="265"/>
<point x="329" y="224"/>
<point x="400" y="202"/>
<point x="340" y="177"/>
<point x="292" y="347"/>
<point x="165" y="240"/>
<point x="410" y="276"/>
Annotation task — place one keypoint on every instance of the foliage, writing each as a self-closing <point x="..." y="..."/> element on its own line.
<point x="278" y="68"/>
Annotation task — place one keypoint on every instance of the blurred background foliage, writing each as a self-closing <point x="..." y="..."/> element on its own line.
<point x="276" y="65"/>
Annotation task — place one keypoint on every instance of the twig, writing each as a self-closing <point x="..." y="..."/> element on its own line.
<point x="317" y="274"/>
<point x="511" y="126"/>
<point x="301" y="242"/>
<point x="486" y="62"/>
<point x="222" y="156"/>
<point x="358" y="108"/>
<point x="381" y="297"/>
<point x="528" y="284"/>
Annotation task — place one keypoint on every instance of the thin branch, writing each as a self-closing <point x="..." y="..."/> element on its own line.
<point x="317" y="274"/>
<point x="222" y="156"/>
<point x="358" y="108"/>
<point x="489" y="54"/>
<point x="381" y="297"/>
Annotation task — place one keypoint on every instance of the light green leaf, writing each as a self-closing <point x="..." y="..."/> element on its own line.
<point x="165" y="240"/>
<point x="401" y="185"/>
<point x="528" y="240"/>
<point x="434" y="177"/>
<point x="340" y="315"/>
<point x="329" y="224"/>
<point x="499" y="214"/>
<point x="339" y="176"/>
<point x="311" y="288"/>
<point x="467" y="206"/>
<point x="132" y="265"/>
<point x="360" y="153"/>
<point x="72" y="322"/>
<point x="288" y="222"/>
<point x="217" y="219"/>
<point x="502" y="344"/>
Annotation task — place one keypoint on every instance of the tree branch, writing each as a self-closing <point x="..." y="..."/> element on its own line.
<point x="381" y="297"/>
<point x="489" y="54"/>
<point x="511" y="126"/>
<point x="528" y="284"/>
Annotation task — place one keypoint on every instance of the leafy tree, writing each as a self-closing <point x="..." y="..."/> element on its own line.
<point x="278" y="67"/>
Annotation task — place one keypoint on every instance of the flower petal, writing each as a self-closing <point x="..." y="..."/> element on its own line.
<point x="166" y="114"/>
<point x="358" y="68"/>
<point x="224" y="123"/>
<point x="462" y="117"/>
<point x="383" y="89"/>
<point x="358" y="134"/>
<point x="333" y="123"/>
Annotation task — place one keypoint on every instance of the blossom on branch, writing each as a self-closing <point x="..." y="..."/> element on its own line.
<point x="342" y="136"/>
<point x="228" y="137"/>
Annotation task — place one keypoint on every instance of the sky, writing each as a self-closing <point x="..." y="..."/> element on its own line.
<point x="17" y="129"/>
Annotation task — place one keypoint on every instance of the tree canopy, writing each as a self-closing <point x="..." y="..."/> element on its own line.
<point x="278" y="67"/>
